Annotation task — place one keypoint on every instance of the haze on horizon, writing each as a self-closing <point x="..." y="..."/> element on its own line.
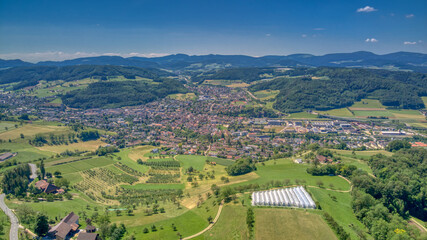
<point x="57" y="30"/>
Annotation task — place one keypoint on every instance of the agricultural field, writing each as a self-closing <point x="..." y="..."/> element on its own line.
<point x="279" y="223"/>
<point x="368" y="103"/>
<point x="338" y="205"/>
<point x="227" y="83"/>
<point x="425" y="101"/>
<point x="6" y="126"/>
<point x="301" y="115"/>
<point x="31" y="130"/>
<point x="266" y="94"/>
<point x="340" y="112"/>
<point x="81" y="146"/>
<point x="230" y="225"/>
<point x="183" y="96"/>
<point x="282" y="169"/>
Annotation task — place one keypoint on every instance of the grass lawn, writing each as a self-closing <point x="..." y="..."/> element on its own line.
<point x="362" y="154"/>
<point x="26" y="152"/>
<point x="286" y="169"/>
<point x="4" y="220"/>
<point x="221" y="161"/>
<point x="301" y="115"/>
<point x="340" y="209"/>
<point x="230" y="225"/>
<point x="368" y="103"/>
<point x="375" y="113"/>
<point x="8" y="125"/>
<point x="279" y="223"/>
<point x="356" y="162"/>
<point x="340" y="112"/>
<point x="197" y="162"/>
<point x="31" y="130"/>
<point x="188" y="223"/>
<point x="150" y="186"/>
<point x="129" y="156"/>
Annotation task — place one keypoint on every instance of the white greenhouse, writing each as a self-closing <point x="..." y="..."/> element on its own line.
<point x="286" y="197"/>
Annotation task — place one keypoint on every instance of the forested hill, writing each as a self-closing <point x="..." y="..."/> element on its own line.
<point x="121" y="93"/>
<point x="328" y="88"/>
<point x="30" y="76"/>
<point x="247" y="75"/>
<point x="399" y="60"/>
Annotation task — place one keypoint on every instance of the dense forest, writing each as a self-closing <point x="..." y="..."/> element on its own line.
<point x="15" y="181"/>
<point x="399" y="190"/>
<point x="30" y="76"/>
<point x="121" y="93"/>
<point x="247" y="75"/>
<point x="341" y="87"/>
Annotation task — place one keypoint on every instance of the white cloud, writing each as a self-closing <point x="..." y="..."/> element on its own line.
<point x="409" y="43"/>
<point x="372" y="40"/>
<point x="319" y="29"/>
<point x="60" y="56"/>
<point x="409" y="15"/>
<point x="304" y="35"/>
<point x="268" y="35"/>
<point x="367" y="9"/>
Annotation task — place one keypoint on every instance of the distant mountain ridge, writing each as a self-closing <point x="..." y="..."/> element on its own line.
<point x="396" y="61"/>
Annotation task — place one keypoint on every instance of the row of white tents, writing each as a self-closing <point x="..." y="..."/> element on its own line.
<point x="286" y="197"/>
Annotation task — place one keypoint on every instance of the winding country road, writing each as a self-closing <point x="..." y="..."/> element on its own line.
<point x="14" y="224"/>
<point x="210" y="225"/>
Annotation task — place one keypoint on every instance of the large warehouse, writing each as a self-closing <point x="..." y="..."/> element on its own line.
<point x="286" y="197"/>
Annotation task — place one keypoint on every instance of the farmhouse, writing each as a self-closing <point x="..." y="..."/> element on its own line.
<point x="46" y="187"/>
<point x="6" y="156"/>
<point x="67" y="227"/>
<point x="88" y="236"/>
<point x="323" y="159"/>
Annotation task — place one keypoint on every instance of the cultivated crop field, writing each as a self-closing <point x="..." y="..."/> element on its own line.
<point x="277" y="223"/>
<point x="81" y="146"/>
<point x="266" y="94"/>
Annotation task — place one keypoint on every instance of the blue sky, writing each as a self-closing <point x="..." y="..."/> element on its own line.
<point x="60" y="29"/>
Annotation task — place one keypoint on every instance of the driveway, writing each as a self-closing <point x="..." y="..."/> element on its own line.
<point x="33" y="170"/>
<point x="13" y="235"/>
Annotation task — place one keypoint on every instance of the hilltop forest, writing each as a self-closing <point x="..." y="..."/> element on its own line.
<point x="328" y="88"/>
<point x="121" y="93"/>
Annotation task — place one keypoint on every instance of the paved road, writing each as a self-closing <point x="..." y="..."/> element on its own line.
<point x="13" y="235"/>
<point x="210" y="225"/>
<point x="33" y="170"/>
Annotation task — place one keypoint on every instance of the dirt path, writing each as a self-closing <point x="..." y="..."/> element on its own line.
<point x="33" y="170"/>
<point x="253" y="96"/>
<point x="210" y="225"/>
<point x="418" y="225"/>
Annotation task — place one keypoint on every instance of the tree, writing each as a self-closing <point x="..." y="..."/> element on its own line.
<point x="42" y="169"/>
<point x="145" y="230"/>
<point x="396" y="145"/>
<point x="319" y="183"/>
<point x="42" y="225"/>
<point x="210" y="219"/>
<point x="57" y="174"/>
<point x="250" y="219"/>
